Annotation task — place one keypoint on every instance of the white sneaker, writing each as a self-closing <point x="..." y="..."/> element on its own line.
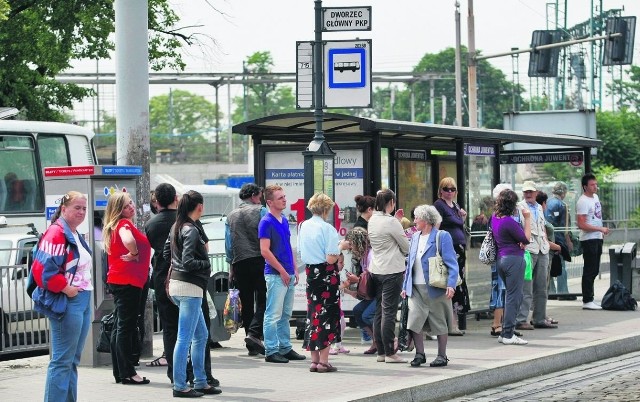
<point x="591" y="306"/>
<point x="514" y="340"/>
<point x="500" y="339"/>
<point x="394" y="359"/>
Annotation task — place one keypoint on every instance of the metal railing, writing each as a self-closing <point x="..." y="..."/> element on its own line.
<point x="21" y="328"/>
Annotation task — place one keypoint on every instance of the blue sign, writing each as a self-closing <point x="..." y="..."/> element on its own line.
<point x="479" y="150"/>
<point x="347" y="68"/>
<point x="50" y="211"/>
<point x="101" y="203"/>
<point x="122" y="170"/>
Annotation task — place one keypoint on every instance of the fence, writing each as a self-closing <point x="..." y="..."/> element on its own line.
<point x="21" y="328"/>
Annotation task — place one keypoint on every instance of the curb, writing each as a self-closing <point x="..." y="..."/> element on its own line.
<point x="512" y="373"/>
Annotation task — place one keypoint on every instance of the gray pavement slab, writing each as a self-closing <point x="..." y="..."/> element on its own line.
<point x="477" y="362"/>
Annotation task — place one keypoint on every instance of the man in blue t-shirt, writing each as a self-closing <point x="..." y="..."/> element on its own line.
<point x="281" y="277"/>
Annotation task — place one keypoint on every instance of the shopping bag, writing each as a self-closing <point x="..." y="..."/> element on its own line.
<point x="104" y="339"/>
<point x="404" y="338"/>
<point x="233" y="311"/>
<point x="528" y="269"/>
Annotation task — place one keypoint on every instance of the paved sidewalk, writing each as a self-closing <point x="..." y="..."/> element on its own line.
<point x="478" y="362"/>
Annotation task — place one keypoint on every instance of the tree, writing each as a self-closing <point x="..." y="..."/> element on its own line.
<point x="627" y="91"/>
<point x="4" y="9"/>
<point x="262" y="99"/>
<point x="39" y="38"/>
<point x="180" y="121"/>
<point x="495" y="92"/>
<point x="620" y="135"/>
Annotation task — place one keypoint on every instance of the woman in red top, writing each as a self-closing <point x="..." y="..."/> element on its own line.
<point x="129" y="254"/>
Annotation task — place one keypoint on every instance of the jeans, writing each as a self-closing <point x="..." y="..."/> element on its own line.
<point x="124" y="338"/>
<point x="192" y="332"/>
<point x="248" y="276"/>
<point x="388" y="289"/>
<point x="591" y="252"/>
<point x="277" y="334"/>
<point x="511" y="270"/>
<point x="67" y="342"/>
<point x="364" y="312"/>
<point x="535" y="291"/>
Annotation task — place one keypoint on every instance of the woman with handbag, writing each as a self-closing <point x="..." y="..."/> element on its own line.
<point x="54" y="272"/>
<point x="319" y="248"/>
<point x="453" y="218"/>
<point x="365" y="310"/>
<point x="128" y="255"/>
<point x="389" y="245"/>
<point x="510" y="240"/>
<point x="188" y="278"/>
<point x="429" y="306"/>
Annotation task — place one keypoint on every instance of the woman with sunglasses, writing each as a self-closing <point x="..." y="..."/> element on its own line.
<point x="453" y="218"/>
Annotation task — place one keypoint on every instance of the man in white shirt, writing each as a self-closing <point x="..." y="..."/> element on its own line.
<point x="592" y="231"/>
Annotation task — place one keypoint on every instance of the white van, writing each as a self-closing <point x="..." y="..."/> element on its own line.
<point x="26" y="147"/>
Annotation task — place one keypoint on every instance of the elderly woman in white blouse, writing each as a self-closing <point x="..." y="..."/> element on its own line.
<point x="429" y="307"/>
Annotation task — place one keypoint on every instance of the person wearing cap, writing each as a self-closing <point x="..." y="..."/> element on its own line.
<point x="242" y="249"/>
<point x="535" y="291"/>
<point x="557" y="214"/>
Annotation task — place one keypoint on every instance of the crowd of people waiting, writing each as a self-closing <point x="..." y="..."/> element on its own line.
<point x="395" y="259"/>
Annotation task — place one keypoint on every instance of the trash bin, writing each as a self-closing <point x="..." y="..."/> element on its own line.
<point x="622" y="261"/>
<point x="218" y="288"/>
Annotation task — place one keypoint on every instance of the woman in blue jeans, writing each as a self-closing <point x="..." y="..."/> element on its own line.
<point x="54" y="270"/>
<point x="188" y="278"/>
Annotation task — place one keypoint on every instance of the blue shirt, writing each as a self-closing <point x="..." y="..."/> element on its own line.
<point x="278" y="232"/>
<point x="316" y="239"/>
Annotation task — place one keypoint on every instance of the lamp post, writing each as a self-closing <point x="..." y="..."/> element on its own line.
<point x="318" y="157"/>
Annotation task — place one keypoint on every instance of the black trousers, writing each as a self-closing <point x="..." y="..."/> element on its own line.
<point x="388" y="289"/>
<point x="591" y="253"/>
<point x="124" y="338"/>
<point x="248" y="276"/>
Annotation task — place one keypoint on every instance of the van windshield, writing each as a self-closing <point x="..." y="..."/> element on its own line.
<point x="18" y="175"/>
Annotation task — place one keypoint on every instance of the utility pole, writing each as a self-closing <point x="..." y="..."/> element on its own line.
<point x="472" y="63"/>
<point x="132" y="112"/>
<point x="458" y="68"/>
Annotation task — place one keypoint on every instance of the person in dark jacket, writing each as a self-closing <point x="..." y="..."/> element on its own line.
<point x="190" y="272"/>
<point x="247" y="264"/>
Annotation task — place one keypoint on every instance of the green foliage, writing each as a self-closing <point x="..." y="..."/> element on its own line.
<point x="620" y="135"/>
<point x="627" y="93"/>
<point x="180" y="121"/>
<point x="262" y="99"/>
<point x="495" y="92"/>
<point x="39" y="38"/>
<point x="4" y="9"/>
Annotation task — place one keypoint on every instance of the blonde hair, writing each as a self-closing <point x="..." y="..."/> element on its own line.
<point x="320" y="204"/>
<point x="116" y="203"/>
<point x="446" y="182"/>
<point x="65" y="201"/>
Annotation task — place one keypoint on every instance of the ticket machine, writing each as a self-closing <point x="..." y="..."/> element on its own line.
<point x="97" y="183"/>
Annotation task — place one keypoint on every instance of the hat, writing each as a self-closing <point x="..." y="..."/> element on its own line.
<point x="500" y="188"/>
<point x="560" y="188"/>
<point x="248" y="190"/>
<point x="529" y="186"/>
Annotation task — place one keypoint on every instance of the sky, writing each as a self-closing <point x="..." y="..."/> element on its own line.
<point x="402" y="32"/>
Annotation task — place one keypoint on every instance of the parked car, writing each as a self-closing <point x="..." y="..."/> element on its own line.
<point x="21" y="328"/>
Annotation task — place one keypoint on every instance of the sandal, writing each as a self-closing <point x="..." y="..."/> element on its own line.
<point x="326" y="368"/>
<point x="419" y="359"/>
<point x="159" y="362"/>
<point x="314" y="367"/>
<point x="439" y="361"/>
<point x="495" y="331"/>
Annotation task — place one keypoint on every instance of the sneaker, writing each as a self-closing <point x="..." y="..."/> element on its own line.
<point x="500" y="338"/>
<point x="514" y="340"/>
<point x="394" y="359"/>
<point x="380" y="359"/>
<point x="591" y="306"/>
<point x="343" y="350"/>
<point x="333" y="351"/>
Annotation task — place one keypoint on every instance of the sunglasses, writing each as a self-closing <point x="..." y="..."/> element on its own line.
<point x="449" y="189"/>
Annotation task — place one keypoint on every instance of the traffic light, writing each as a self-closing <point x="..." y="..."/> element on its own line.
<point x="619" y="50"/>
<point x="544" y="62"/>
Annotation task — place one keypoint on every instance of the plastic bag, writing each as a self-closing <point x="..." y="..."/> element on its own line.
<point x="528" y="269"/>
<point x="404" y="338"/>
<point x="233" y="311"/>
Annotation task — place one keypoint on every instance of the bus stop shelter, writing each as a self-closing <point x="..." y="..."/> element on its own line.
<point x="407" y="157"/>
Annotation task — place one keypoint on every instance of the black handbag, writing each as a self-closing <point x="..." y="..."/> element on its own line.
<point x="404" y="338"/>
<point x="556" y="265"/>
<point x="106" y="327"/>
